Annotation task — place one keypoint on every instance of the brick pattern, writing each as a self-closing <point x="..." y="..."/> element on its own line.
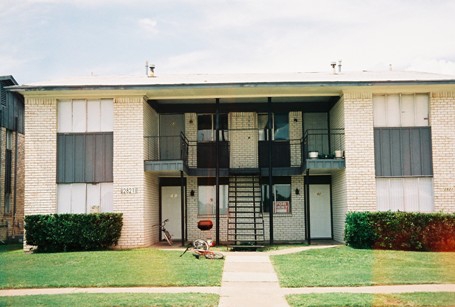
<point x="295" y="136"/>
<point x="129" y="171"/>
<point x="359" y="151"/>
<point x="243" y="137"/>
<point x="339" y="197"/>
<point x="191" y="135"/>
<point x="442" y="117"/>
<point x="40" y="191"/>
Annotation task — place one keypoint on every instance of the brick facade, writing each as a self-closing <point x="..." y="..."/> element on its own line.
<point x="442" y="117"/>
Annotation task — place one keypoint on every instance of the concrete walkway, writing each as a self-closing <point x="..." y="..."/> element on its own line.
<point x="248" y="279"/>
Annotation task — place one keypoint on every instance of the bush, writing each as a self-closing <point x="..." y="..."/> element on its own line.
<point x="73" y="232"/>
<point x="401" y="231"/>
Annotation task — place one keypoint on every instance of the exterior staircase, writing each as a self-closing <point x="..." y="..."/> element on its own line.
<point x="245" y="221"/>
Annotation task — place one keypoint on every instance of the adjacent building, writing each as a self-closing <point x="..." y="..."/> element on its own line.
<point x="264" y="157"/>
<point x="11" y="162"/>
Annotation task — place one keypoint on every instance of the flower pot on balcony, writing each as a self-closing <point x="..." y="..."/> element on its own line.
<point x="338" y="154"/>
<point x="313" y="154"/>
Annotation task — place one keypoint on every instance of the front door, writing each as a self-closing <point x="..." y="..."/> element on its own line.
<point x="171" y="209"/>
<point x="320" y="213"/>
<point x="170" y="127"/>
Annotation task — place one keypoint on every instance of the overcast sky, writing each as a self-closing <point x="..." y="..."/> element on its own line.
<point x="51" y="39"/>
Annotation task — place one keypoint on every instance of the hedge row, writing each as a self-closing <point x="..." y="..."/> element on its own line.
<point x="73" y="232"/>
<point x="401" y="231"/>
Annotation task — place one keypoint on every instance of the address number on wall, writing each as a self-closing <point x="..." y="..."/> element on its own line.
<point x="128" y="190"/>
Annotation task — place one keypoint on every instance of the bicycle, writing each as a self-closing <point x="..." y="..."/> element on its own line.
<point x="202" y="248"/>
<point x="166" y="233"/>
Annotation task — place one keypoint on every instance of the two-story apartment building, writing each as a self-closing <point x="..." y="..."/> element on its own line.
<point x="265" y="157"/>
<point x="11" y="162"/>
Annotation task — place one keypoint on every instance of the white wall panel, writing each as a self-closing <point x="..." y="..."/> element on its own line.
<point x="65" y="112"/>
<point x="79" y="116"/>
<point x="107" y="197"/>
<point x="78" y="198"/>
<point x="64" y="198"/>
<point x="93" y="116"/>
<point x="107" y="115"/>
<point x="93" y="197"/>
<point x="393" y="111"/>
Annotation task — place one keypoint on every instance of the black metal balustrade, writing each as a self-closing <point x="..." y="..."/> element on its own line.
<point x="323" y="143"/>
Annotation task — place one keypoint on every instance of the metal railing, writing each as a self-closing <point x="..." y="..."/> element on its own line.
<point x="327" y="143"/>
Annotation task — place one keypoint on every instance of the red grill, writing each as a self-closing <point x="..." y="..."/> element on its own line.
<point x="205" y="224"/>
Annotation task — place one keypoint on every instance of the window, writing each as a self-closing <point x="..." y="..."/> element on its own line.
<point x="401" y="110"/>
<point x="85" y="115"/>
<point x="207" y="128"/>
<point x="403" y="153"/>
<point x="85" y="155"/>
<point x="281" y="190"/>
<point x="280" y="126"/>
<point x="405" y="194"/>
<point x="85" y="198"/>
<point x="207" y="196"/>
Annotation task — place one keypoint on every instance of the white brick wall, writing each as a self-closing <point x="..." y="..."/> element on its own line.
<point x="442" y="116"/>
<point x="129" y="171"/>
<point x="359" y="151"/>
<point x="40" y="155"/>
<point x="243" y="137"/>
<point x="339" y="190"/>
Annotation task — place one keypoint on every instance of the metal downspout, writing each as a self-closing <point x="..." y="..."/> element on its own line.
<point x="269" y="128"/>
<point x="16" y="155"/>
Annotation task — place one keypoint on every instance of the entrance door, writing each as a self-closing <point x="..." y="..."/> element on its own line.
<point x="171" y="209"/>
<point x="170" y="127"/>
<point x="320" y="216"/>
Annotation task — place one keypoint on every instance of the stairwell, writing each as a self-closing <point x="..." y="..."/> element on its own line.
<point x="245" y="221"/>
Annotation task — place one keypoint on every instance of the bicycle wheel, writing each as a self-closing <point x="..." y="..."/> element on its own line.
<point x="200" y="244"/>
<point x="213" y="255"/>
<point x="168" y="237"/>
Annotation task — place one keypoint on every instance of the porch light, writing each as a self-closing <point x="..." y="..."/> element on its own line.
<point x="192" y="193"/>
<point x="297" y="191"/>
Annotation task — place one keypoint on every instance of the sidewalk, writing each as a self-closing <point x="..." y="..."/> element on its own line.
<point x="248" y="279"/>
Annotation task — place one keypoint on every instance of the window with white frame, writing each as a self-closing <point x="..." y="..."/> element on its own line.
<point x="405" y="194"/>
<point x="85" y="197"/>
<point x="92" y="118"/>
<point x="207" y="199"/>
<point x="403" y="154"/>
<point x="80" y="116"/>
<point x="401" y="110"/>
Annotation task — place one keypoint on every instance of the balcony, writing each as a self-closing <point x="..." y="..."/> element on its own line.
<point x="289" y="157"/>
<point x="323" y="149"/>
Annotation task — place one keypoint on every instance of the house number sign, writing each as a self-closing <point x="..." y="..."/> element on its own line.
<point x="128" y="190"/>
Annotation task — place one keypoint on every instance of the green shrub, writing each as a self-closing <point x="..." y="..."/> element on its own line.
<point x="73" y="232"/>
<point x="401" y="230"/>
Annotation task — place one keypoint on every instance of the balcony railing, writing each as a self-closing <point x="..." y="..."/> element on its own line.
<point x="328" y="144"/>
<point x="247" y="151"/>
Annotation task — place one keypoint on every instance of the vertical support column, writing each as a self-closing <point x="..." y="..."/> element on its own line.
<point x="307" y="208"/>
<point x="217" y="170"/>
<point x="182" y="206"/>
<point x="269" y="132"/>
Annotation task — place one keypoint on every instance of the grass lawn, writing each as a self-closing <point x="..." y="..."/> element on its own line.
<point x="357" y="299"/>
<point x="123" y="268"/>
<point x="115" y="299"/>
<point x="345" y="266"/>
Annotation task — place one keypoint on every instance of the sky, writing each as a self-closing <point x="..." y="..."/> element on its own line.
<point x="54" y="39"/>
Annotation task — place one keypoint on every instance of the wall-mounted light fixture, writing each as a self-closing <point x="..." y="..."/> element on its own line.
<point x="297" y="191"/>
<point x="192" y="193"/>
<point x="296" y="120"/>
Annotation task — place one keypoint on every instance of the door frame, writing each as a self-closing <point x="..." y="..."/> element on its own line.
<point x="174" y="182"/>
<point x="308" y="182"/>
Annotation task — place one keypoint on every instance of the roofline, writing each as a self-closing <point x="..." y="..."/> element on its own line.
<point x="25" y="88"/>
<point x="9" y="78"/>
